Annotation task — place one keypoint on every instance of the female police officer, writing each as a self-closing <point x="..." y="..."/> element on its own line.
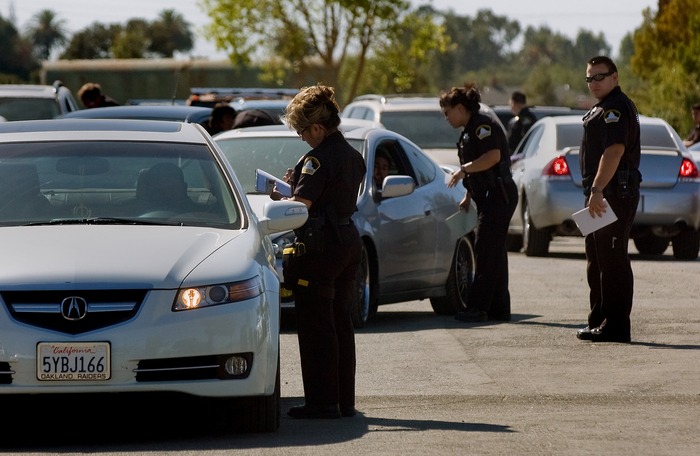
<point x="485" y="158"/>
<point x="327" y="180"/>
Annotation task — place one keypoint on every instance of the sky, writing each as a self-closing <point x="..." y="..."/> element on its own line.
<point x="567" y="18"/>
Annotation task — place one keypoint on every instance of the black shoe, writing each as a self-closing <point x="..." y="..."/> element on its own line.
<point x="348" y="412"/>
<point x="601" y="335"/>
<point x="471" y="315"/>
<point x="499" y="317"/>
<point x="307" y="411"/>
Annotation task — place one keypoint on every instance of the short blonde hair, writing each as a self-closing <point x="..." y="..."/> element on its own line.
<point x="313" y="105"/>
<point x="90" y="91"/>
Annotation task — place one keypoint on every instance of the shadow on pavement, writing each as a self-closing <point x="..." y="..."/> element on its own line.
<point x="73" y="426"/>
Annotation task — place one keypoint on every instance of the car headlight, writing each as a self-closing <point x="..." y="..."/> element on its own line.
<point x="214" y="295"/>
<point x="282" y="242"/>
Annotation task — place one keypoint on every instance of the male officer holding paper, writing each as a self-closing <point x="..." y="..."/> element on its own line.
<point x="609" y="160"/>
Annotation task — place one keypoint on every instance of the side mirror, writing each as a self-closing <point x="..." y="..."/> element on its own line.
<point x="283" y="216"/>
<point x="395" y="186"/>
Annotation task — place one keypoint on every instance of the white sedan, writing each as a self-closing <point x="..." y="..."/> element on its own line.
<point x="131" y="261"/>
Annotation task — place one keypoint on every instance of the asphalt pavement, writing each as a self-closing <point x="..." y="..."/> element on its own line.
<point x="428" y="384"/>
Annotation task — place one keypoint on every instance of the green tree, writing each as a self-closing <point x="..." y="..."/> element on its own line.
<point x="306" y="37"/>
<point x="170" y="33"/>
<point x="667" y="60"/>
<point x="93" y="42"/>
<point x="46" y="32"/>
<point x="16" y="59"/>
<point x="133" y="41"/>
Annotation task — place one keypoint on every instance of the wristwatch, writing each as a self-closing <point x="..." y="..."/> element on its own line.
<point x="596" y="190"/>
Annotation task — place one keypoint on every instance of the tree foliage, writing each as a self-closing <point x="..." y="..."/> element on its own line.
<point x="16" y="56"/>
<point x="667" y="59"/>
<point x="315" y="38"/>
<point x="170" y="33"/>
<point x="46" y="32"/>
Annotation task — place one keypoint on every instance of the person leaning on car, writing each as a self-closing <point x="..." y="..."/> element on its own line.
<point x="485" y="172"/>
<point x="91" y="96"/>
<point x="326" y="255"/>
<point x="521" y="122"/>
<point x="694" y="136"/>
<point x="609" y="159"/>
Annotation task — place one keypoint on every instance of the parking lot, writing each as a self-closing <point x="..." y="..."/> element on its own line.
<point x="431" y="385"/>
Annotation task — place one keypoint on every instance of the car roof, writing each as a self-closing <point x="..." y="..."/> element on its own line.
<point x="351" y="128"/>
<point x="577" y="120"/>
<point x="153" y="112"/>
<point x="26" y="91"/>
<point x="100" y="130"/>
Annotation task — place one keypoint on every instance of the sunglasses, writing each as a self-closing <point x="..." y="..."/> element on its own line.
<point x="598" y="77"/>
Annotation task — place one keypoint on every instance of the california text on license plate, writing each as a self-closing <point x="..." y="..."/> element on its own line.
<point x="75" y="361"/>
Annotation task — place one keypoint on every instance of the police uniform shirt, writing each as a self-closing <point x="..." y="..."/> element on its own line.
<point x="330" y="173"/>
<point x="612" y="121"/>
<point x="518" y="126"/>
<point x="481" y="135"/>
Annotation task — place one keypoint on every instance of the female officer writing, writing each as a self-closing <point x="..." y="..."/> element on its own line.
<point x="324" y="271"/>
<point x="485" y="171"/>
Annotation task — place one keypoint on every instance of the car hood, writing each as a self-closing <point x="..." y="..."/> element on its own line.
<point x="102" y="257"/>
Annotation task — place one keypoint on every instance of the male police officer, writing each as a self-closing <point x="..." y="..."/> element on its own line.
<point x="521" y="122"/>
<point x="609" y="160"/>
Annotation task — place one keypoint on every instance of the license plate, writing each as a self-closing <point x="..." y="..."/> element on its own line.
<point x="78" y="361"/>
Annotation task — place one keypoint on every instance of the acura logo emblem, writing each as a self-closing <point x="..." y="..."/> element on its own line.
<point x="74" y="308"/>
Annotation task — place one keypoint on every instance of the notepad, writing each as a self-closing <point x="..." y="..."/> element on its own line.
<point x="587" y="224"/>
<point x="265" y="183"/>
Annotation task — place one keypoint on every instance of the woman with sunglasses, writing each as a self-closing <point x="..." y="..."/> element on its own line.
<point x="324" y="274"/>
<point x="609" y="159"/>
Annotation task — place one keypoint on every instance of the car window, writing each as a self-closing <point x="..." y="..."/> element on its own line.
<point x="569" y="135"/>
<point x="400" y="165"/>
<point x="423" y="168"/>
<point x="29" y="108"/>
<point x="427" y="129"/>
<point x="146" y="182"/>
<point x="532" y="142"/>
<point x="272" y="154"/>
<point x="656" y="136"/>
<point x="359" y="112"/>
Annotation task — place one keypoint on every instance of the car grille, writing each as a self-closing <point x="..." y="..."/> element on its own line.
<point x="189" y="368"/>
<point x="73" y="311"/>
<point x="5" y="374"/>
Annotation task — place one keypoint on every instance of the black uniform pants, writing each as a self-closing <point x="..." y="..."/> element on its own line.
<point x="324" y="324"/>
<point x="609" y="270"/>
<point x="489" y="292"/>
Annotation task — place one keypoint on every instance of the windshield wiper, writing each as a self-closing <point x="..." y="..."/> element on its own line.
<point x="103" y="221"/>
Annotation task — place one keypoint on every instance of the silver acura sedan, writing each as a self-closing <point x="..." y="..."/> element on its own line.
<point x="546" y="170"/>
<point x="416" y="243"/>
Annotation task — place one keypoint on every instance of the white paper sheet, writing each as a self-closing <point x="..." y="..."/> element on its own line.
<point x="588" y="224"/>
<point x="265" y="182"/>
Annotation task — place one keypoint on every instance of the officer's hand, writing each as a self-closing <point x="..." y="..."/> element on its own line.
<point x="288" y="175"/>
<point x="466" y="202"/>
<point x="456" y="178"/>
<point x="596" y="205"/>
<point x="275" y="195"/>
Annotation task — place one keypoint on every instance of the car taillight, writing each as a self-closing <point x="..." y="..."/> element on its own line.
<point x="557" y="168"/>
<point x="688" y="170"/>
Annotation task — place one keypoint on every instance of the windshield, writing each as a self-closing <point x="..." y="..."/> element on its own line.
<point x="114" y="182"/>
<point x="427" y="129"/>
<point x="271" y="154"/>
<point x="28" y="108"/>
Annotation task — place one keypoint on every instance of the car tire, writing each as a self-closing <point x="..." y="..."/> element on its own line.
<point x="459" y="281"/>
<point x="514" y="242"/>
<point x="535" y="241"/>
<point x="254" y="414"/>
<point x="651" y="245"/>
<point x="362" y="296"/>
<point x="686" y="245"/>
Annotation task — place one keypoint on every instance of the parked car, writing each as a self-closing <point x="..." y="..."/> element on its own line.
<point x="416" y="117"/>
<point x="32" y="102"/>
<point x="132" y="262"/>
<point x="504" y="113"/>
<point x="412" y="248"/>
<point x="546" y="170"/>
<point x="176" y="113"/>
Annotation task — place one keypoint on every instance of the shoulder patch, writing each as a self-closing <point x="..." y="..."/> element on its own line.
<point x="311" y="165"/>
<point x="483" y="131"/>
<point x="612" y="115"/>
